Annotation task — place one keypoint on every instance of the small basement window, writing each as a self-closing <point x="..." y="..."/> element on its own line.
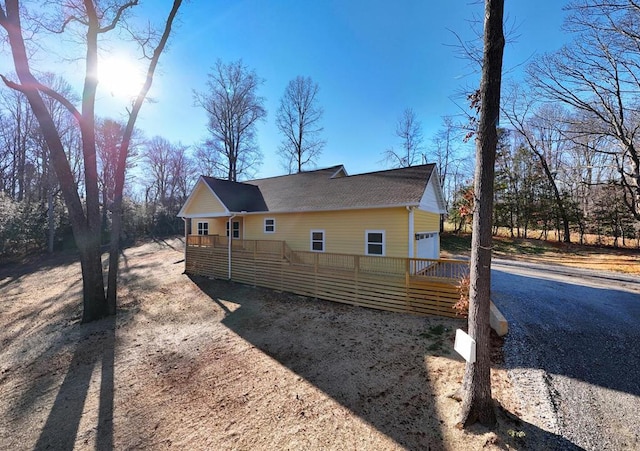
<point x="317" y="240"/>
<point x="203" y="228"/>
<point x="269" y="225"/>
<point x="374" y="242"/>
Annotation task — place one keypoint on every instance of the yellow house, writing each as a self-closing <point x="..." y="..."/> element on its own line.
<point x="393" y="213"/>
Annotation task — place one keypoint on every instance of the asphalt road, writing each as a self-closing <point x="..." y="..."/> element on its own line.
<point x="573" y="350"/>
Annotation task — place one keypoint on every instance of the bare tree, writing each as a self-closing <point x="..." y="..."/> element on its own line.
<point x="452" y="167"/>
<point x="298" y="118"/>
<point x="544" y="132"/>
<point x="169" y="175"/>
<point x="207" y="162"/>
<point x="109" y="134"/>
<point x="234" y="109"/>
<point x="477" y="404"/>
<point x="18" y="133"/>
<point x="588" y="162"/>
<point x="157" y="155"/>
<point x="25" y="171"/>
<point x="70" y="137"/>
<point x="598" y="74"/>
<point x="91" y="21"/>
<point x="409" y="130"/>
<point x="182" y="173"/>
<point x="169" y="170"/>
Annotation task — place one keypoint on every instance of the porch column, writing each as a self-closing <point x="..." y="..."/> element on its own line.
<point x="230" y="225"/>
<point x="186" y="236"/>
<point x="411" y="232"/>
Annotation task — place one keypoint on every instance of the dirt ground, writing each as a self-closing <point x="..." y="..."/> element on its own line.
<point x="192" y="363"/>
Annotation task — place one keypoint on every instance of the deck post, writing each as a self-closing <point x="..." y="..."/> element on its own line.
<point x="407" y="282"/>
<point x="356" y="273"/>
<point x="230" y="237"/>
<point x="186" y="240"/>
<point x="315" y="274"/>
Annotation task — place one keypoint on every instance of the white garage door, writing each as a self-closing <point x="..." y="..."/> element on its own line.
<point x="428" y="245"/>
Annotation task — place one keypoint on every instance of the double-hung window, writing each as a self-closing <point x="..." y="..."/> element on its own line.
<point x="374" y="242"/>
<point x="203" y="228"/>
<point x="235" y="225"/>
<point x="317" y="240"/>
<point x="269" y="225"/>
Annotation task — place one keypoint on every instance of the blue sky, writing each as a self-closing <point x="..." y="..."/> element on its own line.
<point x="371" y="59"/>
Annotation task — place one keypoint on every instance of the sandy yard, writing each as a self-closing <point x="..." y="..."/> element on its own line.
<point x="192" y="363"/>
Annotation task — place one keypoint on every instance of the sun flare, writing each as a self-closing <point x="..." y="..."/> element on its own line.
<point x="120" y="76"/>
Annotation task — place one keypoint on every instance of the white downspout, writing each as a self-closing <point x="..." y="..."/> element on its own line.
<point x="230" y="238"/>
<point x="411" y="231"/>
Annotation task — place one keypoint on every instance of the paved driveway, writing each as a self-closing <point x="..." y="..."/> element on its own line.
<point x="573" y="350"/>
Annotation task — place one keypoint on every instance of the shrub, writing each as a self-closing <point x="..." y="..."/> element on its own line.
<point x="462" y="306"/>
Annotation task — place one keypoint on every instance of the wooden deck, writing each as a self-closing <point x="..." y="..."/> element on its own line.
<point x="419" y="286"/>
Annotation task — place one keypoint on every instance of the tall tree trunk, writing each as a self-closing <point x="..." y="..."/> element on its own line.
<point x="116" y="220"/>
<point x="86" y="237"/>
<point x="94" y="301"/>
<point x="477" y="404"/>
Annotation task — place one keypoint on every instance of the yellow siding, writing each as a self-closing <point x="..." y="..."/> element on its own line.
<point x="203" y="201"/>
<point x="424" y="221"/>
<point x="217" y="226"/>
<point x="344" y="230"/>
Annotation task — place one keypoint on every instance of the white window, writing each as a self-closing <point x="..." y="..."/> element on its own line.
<point x="203" y="228"/>
<point x="269" y="225"/>
<point x="236" y="229"/>
<point x="374" y="240"/>
<point x="317" y="240"/>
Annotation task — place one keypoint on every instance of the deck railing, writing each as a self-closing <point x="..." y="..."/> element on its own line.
<point x="414" y="267"/>
<point x="410" y="285"/>
<point x="222" y="242"/>
<point x="202" y="240"/>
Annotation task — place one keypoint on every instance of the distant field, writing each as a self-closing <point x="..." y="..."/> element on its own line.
<point x="552" y="236"/>
<point x="605" y="258"/>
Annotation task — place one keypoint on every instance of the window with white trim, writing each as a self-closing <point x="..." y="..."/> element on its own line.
<point x="317" y="240"/>
<point x="269" y="225"/>
<point x="374" y="240"/>
<point x="203" y="228"/>
<point x="236" y="229"/>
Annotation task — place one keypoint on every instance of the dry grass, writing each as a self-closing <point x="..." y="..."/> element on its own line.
<point x="191" y="363"/>
<point x="600" y="258"/>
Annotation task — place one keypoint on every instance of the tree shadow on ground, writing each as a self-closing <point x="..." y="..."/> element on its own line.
<point x="12" y="272"/>
<point x="60" y="366"/>
<point x="94" y="350"/>
<point x="163" y="241"/>
<point x="369" y="361"/>
<point x="47" y="342"/>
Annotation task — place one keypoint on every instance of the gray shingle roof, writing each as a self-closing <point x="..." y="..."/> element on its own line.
<point x="317" y="190"/>
<point x="237" y="196"/>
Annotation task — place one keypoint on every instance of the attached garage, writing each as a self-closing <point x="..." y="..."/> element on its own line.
<point x="428" y="245"/>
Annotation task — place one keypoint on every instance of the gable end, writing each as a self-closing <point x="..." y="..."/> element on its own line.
<point x="203" y="201"/>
